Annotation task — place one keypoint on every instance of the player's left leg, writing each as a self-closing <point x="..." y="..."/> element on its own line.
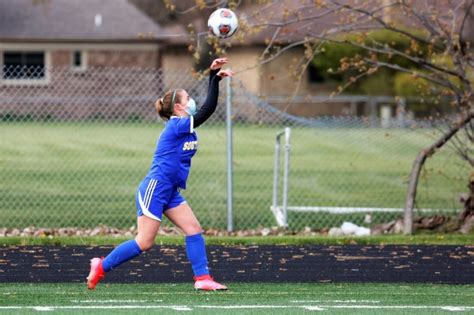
<point x="147" y="229"/>
<point x="183" y="217"/>
<point x="149" y="214"/>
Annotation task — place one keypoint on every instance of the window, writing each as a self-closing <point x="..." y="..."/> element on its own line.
<point x="314" y="75"/>
<point x="24" y="65"/>
<point x="78" y="59"/>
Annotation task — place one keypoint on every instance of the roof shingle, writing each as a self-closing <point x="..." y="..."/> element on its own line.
<point x="75" y="20"/>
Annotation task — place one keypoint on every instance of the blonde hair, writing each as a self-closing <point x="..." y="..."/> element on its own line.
<point x="165" y="105"/>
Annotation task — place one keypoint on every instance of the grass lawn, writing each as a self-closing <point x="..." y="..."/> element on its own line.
<point x="86" y="174"/>
<point x="242" y="298"/>
<point x="418" y="239"/>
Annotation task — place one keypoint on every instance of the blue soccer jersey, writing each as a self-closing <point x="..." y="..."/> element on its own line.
<point x="176" y="146"/>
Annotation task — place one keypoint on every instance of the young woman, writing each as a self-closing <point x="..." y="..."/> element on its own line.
<point x="158" y="193"/>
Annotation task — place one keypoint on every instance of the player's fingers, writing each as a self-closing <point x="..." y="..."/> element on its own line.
<point x="226" y="73"/>
<point x="217" y="63"/>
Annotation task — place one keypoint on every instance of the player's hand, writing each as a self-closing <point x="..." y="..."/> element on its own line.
<point x="218" y="63"/>
<point x="225" y="73"/>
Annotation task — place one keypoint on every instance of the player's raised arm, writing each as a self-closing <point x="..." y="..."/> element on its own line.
<point x="215" y="67"/>
<point x="209" y="105"/>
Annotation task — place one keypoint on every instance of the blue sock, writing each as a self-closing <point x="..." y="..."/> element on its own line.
<point x="125" y="251"/>
<point x="196" y="252"/>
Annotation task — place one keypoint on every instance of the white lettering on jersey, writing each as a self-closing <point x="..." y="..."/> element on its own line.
<point x="190" y="145"/>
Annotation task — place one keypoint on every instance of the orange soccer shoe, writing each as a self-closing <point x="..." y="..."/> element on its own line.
<point x="96" y="274"/>
<point x="207" y="283"/>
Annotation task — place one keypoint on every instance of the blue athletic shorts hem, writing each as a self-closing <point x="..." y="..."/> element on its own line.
<point x="155" y="197"/>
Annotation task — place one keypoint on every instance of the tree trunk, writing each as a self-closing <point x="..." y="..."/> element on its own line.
<point x="418" y="164"/>
<point x="466" y="218"/>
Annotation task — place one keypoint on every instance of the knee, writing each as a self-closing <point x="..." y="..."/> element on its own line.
<point x="144" y="244"/>
<point x="193" y="229"/>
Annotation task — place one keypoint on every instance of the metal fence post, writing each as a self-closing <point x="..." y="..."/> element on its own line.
<point x="228" y="102"/>
<point x="276" y="171"/>
<point x="373" y="112"/>
<point x="286" y="175"/>
<point x="401" y="112"/>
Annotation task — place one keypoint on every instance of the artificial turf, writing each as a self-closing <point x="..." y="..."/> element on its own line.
<point x="242" y="298"/>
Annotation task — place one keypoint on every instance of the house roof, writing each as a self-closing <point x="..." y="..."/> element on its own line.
<point x="70" y="20"/>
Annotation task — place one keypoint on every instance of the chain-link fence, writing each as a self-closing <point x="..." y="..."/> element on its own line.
<point x="75" y="145"/>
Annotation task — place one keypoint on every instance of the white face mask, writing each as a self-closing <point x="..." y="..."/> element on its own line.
<point x="191" y="107"/>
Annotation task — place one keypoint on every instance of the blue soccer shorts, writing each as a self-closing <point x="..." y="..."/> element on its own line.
<point x="155" y="197"/>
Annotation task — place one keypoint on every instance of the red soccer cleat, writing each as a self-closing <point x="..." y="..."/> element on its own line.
<point x="96" y="274"/>
<point x="207" y="283"/>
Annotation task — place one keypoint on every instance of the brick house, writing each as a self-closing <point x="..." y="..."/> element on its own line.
<point x="75" y="34"/>
<point x="56" y="57"/>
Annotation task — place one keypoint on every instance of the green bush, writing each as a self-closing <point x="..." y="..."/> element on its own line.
<point x="380" y="83"/>
<point x="408" y="86"/>
<point x="328" y="61"/>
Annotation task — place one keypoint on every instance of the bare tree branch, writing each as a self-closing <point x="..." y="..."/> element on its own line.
<point x="207" y="6"/>
<point x="446" y="84"/>
<point x="434" y="31"/>
<point x="267" y="49"/>
<point x="417" y="60"/>
<point x="387" y="50"/>
<point x="387" y="26"/>
<point x="293" y="21"/>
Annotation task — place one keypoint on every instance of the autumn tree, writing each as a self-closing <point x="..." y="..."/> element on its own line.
<point x="437" y="57"/>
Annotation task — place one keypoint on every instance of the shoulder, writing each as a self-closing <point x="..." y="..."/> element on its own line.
<point x="182" y="124"/>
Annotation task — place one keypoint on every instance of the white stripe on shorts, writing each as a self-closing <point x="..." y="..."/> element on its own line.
<point x="145" y="209"/>
<point x="147" y="191"/>
<point x="147" y="203"/>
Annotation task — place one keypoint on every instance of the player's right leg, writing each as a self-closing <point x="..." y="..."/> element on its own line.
<point x="183" y="217"/>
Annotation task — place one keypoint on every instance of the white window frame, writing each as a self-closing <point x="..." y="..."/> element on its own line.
<point x="47" y="65"/>
<point x="84" y="59"/>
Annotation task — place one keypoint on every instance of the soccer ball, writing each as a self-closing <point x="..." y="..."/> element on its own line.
<point x="223" y="23"/>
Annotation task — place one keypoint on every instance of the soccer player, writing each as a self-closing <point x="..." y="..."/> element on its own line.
<point x="159" y="192"/>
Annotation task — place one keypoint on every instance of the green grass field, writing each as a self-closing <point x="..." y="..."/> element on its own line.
<point x="242" y="298"/>
<point x="86" y="174"/>
<point x="298" y="240"/>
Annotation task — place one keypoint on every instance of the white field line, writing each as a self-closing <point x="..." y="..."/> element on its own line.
<point x="335" y="301"/>
<point x="231" y="293"/>
<point x="114" y="301"/>
<point x="320" y="307"/>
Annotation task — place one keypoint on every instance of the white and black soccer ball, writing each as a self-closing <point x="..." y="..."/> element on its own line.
<point x="223" y="23"/>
